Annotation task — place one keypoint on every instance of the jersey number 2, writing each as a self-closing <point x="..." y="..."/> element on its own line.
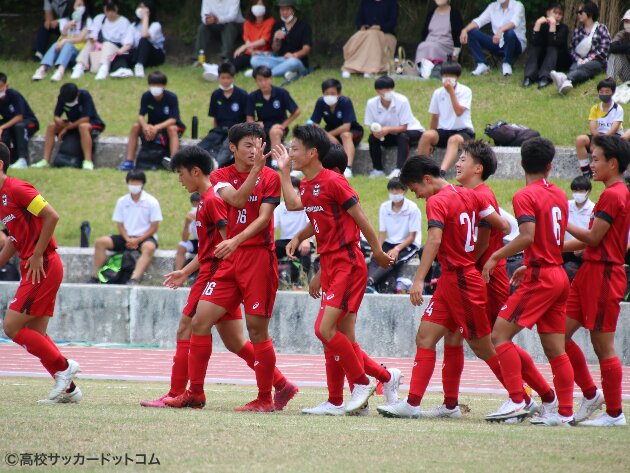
<point x="471" y="231"/>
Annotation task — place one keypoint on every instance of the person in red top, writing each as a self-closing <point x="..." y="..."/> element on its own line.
<point x="257" y="30"/>
<point x="600" y="283"/>
<point x="459" y="303"/>
<point x="541" y="210"/>
<point x="194" y="166"/>
<point x="31" y="221"/>
<point x="335" y="216"/>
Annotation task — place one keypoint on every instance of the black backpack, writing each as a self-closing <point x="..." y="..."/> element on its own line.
<point x="509" y="134"/>
<point x="150" y="156"/>
<point x="70" y="153"/>
<point x="217" y="144"/>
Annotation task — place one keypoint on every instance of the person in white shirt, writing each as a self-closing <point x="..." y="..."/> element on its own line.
<point x="391" y="122"/>
<point x="507" y="18"/>
<point x="399" y="234"/>
<point x="580" y="213"/>
<point x="189" y="243"/>
<point x="451" y="124"/>
<point x="137" y="216"/>
<point x="219" y="19"/>
<point x="290" y="223"/>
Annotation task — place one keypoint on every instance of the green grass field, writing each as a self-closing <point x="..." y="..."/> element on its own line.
<point x="110" y="420"/>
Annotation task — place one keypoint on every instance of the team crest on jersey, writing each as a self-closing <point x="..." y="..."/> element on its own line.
<point x="276" y="104"/>
<point x="316" y="190"/>
<point x="338" y="114"/>
<point x="235" y="107"/>
<point x="5" y="200"/>
<point x="167" y="109"/>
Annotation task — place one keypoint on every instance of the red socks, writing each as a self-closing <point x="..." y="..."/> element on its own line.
<point x="44" y="349"/>
<point x="199" y="355"/>
<point x="423" y="367"/>
<point x="334" y="378"/>
<point x="179" y="371"/>
<point x="372" y="368"/>
<point x="247" y="354"/>
<point x="264" y="367"/>
<point x="583" y="376"/>
<point x="452" y="368"/>
<point x="342" y="348"/>
<point x="563" y="382"/>
<point x="611" y="384"/>
<point x="510" y="364"/>
<point x="533" y="377"/>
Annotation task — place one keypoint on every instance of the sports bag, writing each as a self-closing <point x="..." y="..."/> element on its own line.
<point x="509" y="134"/>
<point x="117" y="269"/>
<point x="69" y="153"/>
<point x="150" y="155"/>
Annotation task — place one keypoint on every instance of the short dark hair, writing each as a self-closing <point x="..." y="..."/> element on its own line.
<point x="416" y="167"/>
<point x="227" y="68"/>
<point x="556" y="6"/>
<point x="336" y="158"/>
<point x="313" y="137"/>
<point x="189" y="157"/>
<point x="195" y="197"/>
<point x="110" y="5"/>
<point x="250" y="16"/>
<point x="157" y="77"/>
<point x="395" y="184"/>
<point x="614" y="147"/>
<point x="452" y="69"/>
<point x="331" y="83"/>
<point x="482" y="153"/>
<point x="242" y="130"/>
<point x="5" y="157"/>
<point x="536" y="155"/>
<point x="384" y="82"/>
<point x="591" y="9"/>
<point x="262" y="71"/>
<point x="3" y="77"/>
<point x="295" y="182"/>
<point x="136" y="175"/>
<point x="581" y="183"/>
<point x="68" y="92"/>
<point x="609" y="83"/>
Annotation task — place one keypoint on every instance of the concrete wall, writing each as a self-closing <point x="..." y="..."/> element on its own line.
<point x="386" y="324"/>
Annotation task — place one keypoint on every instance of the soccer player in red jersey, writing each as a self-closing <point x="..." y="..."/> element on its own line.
<point x="194" y="166"/>
<point x="459" y="304"/>
<point x="336" y="216"/>
<point x="541" y="210"/>
<point x="600" y="283"/>
<point x="31" y="222"/>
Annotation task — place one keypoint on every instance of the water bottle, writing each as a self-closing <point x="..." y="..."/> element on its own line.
<point x="194" y="132"/>
<point x="85" y="234"/>
<point x="201" y="59"/>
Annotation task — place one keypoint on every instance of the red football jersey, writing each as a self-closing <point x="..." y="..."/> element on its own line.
<point x="266" y="191"/>
<point x="457" y="211"/>
<point x="326" y="199"/>
<point x="496" y="236"/>
<point x="546" y="205"/>
<point x="20" y="202"/>
<point x="613" y="207"/>
<point x="211" y="217"/>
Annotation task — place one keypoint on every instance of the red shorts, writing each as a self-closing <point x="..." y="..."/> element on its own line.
<point x="39" y="299"/>
<point x="459" y="303"/>
<point x="498" y="290"/>
<point x="206" y="271"/>
<point x="249" y="276"/>
<point x="343" y="279"/>
<point x="595" y="294"/>
<point x="540" y="300"/>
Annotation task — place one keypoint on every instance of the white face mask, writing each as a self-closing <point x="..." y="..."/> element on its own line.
<point x="258" y="10"/>
<point x="579" y="197"/>
<point x="330" y="100"/>
<point x="388" y="96"/>
<point x="134" y="189"/>
<point x="78" y="13"/>
<point x="194" y="209"/>
<point x="287" y="19"/>
<point x="3" y="93"/>
<point x="626" y="27"/>
<point x="72" y="104"/>
<point x="139" y="13"/>
<point x="452" y="80"/>
<point x="223" y="87"/>
<point x="156" y="91"/>
<point x="396" y="197"/>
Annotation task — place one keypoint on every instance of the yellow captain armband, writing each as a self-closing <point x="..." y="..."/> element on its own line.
<point x="37" y="205"/>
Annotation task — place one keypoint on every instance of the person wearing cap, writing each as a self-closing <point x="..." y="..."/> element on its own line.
<point x="220" y="19"/>
<point x="619" y="53"/>
<point x="291" y="44"/>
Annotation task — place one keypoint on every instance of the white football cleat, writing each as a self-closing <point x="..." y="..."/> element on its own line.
<point x="442" y="411"/>
<point x="553" y="419"/>
<point x="390" y="388"/>
<point x="605" y="420"/>
<point x="64" y="378"/>
<point x="589" y="406"/>
<point x="65" y="398"/>
<point x="363" y="412"/>
<point x="360" y="395"/>
<point x="402" y="410"/>
<point x="325" y="409"/>
<point x="508" y="410"/>
<point x="531" y="408"/>
<point x="548" y="408"/>
<point x="481" y="69"/>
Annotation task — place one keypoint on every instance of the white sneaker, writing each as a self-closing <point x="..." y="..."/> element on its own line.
<point x="604" y="420"/>
<point x="20" y="164"/>
<point x="567" y="85"/>
<point x="394" y="173"/>
<point x="138" y="70"/>
<point x="589" y="406"/>
<point x="103" y="72"/>
<point x="249" y="73"/>
<point x="325" y="409"/>
<point x="360" y="395"/>
<point x="401" y="409"/>
<point x="64" y="378"/>
<point x="363" y="412"/>
<point x="508" y="410"/>
<point x="57" y="76"/>
<point x="348" y="173"/>
<point x="442" y="411"/>
<point x="77" y="71"/>
<point x="210" y="72"/>
<point x="426" y="67"/>
<point x="507" y="69"/>
<point x="480" y="69"/>
<point x="121" y="73"/>
<point x="65" y="398"/>
<point x="40" y="73"/>
<point x="553" y="419"/>
<point x="558" y="78"/>
<point x="376" y="173"/>
<point x="290" y="75"/>
<point x="390" y="388"/>
<point x="345" y="75"/>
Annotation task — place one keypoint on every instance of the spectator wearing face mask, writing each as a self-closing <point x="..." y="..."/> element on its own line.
<point x="256" y="35"/>
<point x="451" y="122"/>
<point x="619" y="57"/>
<point x="605" y="118"/>
<point x="580" y="213"/>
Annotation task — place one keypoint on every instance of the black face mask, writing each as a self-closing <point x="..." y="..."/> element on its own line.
<point x="605" y="98"/>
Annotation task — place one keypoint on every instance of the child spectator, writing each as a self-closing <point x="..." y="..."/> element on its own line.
<point x="605" y="118"/>
<point x="399" y="235"/>
<point x="190" y="240"/>
<point x="619" y="53"/>
<point x="137" y="216"/>
<point x="341" y="122"/>
<point x="219" y="19"/>
<point x="451" y="123"/>
<point x="391" y="121"/>
<point x="74" y="32"/>
<point x="163" y="124"/>
<point x="54" y="10"/>
<point x="256" y="34"/>
<point x="18" y="123"/>
<point x="580" y="213"/>
<point x="81" y="117"/>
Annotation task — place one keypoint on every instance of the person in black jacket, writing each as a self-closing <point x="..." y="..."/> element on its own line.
<point x="440" y="37"/>
<point x="549" y="50"/>
<point x="619" y="52"/>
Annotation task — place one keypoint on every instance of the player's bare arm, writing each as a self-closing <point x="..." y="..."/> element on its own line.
<point x="7" y="252"/>
<point x="307" y="232"/>
<point x="593" y="236"/>
<point x="315" y="286"/>
<point x="498" y="222"/>
<point x="430" y="251"/>
<point x="238" y="198"/>
<point x="523" y="240"/>
<point x="35" y="263"/>
<point x="358" y="215"/>
<point x="227" y="247"/>
<point x="291" y="199"/>
<point x="483" y="241"/>
<point x="176" y="279"/>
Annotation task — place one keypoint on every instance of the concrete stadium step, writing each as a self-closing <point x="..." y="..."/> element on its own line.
<point x="111" y="152"/>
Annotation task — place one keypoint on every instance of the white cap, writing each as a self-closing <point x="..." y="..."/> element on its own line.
<point x="626" y="16"/>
